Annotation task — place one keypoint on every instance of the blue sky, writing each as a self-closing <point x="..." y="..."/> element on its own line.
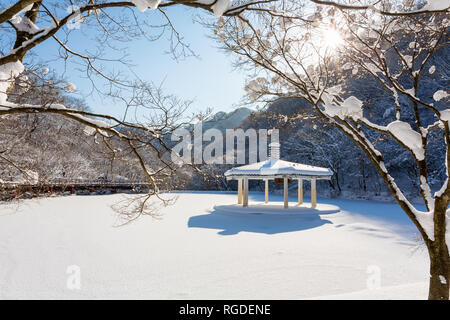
<point x="208" y="80"/>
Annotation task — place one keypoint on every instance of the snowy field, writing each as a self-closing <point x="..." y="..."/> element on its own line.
<point x="198" y="252"/>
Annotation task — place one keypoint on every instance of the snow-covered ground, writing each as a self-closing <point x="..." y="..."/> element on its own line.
<point x="198" y="252"/>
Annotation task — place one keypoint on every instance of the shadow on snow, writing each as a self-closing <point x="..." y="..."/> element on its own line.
<point x="232" y="223"/>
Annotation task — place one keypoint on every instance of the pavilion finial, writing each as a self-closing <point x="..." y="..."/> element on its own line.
<point x="274" y="149"/>
<point x="274" y="146"/>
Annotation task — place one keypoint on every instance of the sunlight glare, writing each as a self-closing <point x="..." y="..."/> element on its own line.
<point x="331" y="38"/>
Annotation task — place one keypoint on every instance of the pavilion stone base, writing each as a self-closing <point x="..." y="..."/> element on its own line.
<point x="278" y="208"/>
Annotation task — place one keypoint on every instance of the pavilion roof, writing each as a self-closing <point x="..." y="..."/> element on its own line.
<point x="277" y="167"/>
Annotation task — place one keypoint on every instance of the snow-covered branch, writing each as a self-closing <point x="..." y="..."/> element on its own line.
<point x="432" y="6"/>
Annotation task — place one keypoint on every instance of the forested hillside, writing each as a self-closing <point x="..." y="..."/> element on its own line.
<point x="52" y="147"/>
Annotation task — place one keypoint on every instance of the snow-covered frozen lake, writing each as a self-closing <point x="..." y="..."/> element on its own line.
<point x="196" y="252"/>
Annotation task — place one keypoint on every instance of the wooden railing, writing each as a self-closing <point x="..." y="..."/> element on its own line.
<point x="84" y="183"/>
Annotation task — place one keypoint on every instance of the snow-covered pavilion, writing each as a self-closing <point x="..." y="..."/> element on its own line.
<point x="276" y="169"/>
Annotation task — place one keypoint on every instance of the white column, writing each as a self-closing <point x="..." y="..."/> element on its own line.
<point x="300" y="191"/>
<point x="245" y="202"/>
<point x="285" y="192"/>
<point x="313" y="193"/>
<point x="266" y="189"/>
<point x="239" y="191"/>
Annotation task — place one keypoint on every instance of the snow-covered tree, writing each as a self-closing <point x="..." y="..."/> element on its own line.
<point x="299" y="50"/>
<point x="27" y="24"/>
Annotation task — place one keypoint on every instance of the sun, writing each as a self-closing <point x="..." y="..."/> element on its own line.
<point x="331" y="38"/>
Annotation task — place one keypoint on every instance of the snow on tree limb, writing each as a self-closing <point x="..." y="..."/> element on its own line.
<point x="220" y="7"/>
<point x="351" y="107"/>
<point x="143" y="5"/>
<point x="409" y="137"/>
<point x="432" y="6"/>
<point x="217" y="7"/>
<point x="84" y="117"/>
<point x="436" y="5"/>
<point x="8" y="74"/>
<point x="15" y="9"/>
<point x="445" y="115"/>
<point x="439" y="95"/>
<point x="23" y="24"/>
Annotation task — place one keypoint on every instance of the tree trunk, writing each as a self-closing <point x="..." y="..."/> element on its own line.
<point x="440" y="277"/>
<point x="439" y="257"/>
